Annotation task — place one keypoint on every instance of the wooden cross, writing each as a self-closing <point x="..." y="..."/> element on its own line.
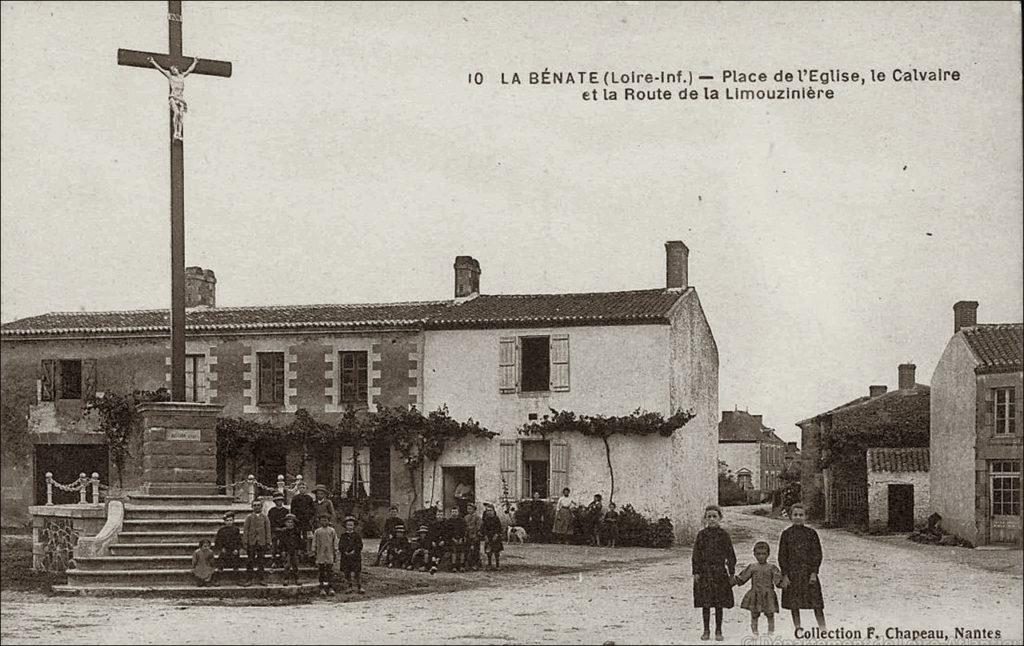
<point x="133" y="58"/>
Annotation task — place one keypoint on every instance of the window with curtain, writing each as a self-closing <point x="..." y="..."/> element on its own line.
<point x="354" y="468"/>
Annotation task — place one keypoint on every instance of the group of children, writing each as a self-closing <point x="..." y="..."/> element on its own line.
<point x="714" y="574"/>
<point x="454" y="541"/>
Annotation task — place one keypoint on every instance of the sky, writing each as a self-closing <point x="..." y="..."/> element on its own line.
<point x="348" y="159"/>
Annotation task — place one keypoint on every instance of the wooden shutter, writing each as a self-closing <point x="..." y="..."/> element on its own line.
<point x="88" y="378"/>
<point x="990" y="410"/>
<point x="48" y="380"/>
<point x="508" y="467"/>
<point x="507" y="369"/>
<point x="559" y="468"/>
<point x="279" y="378"/>
<point x="559" y="354"/>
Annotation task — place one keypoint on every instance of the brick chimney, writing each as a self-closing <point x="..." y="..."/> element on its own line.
<point x="965" y="314"/>
<point x="200" y="287"/>
<point x="875" y="391"/>
<point x="676" y="261"/>
<point x="907" y="378"/>
<point x="467" y="276"/>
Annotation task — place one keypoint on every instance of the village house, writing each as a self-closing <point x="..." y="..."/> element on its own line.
<point x="834" y="444"/>
<point x="898" y="489"/>
<point x="752" y="452"/>
<point x="976" y="431"/>
<point x="507" y="360"/>
<point x="501" y="360"/>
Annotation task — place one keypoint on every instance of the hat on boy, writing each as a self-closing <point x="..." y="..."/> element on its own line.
<point x="423" y="530"/>
<point x="399" y="528"/>
<point x="290" y="517"/>
<point x="278" y="496"/>
<point x="229" y="514"/>
<point x="348" y="518"/>
<point x="320" y="487"/>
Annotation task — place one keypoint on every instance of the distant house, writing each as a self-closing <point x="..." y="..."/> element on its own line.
<point x="898" y="489"/>
<point x="976" y="434"/>
<point x="751" y="451"/>
<point x="834" y="482"/>
<point x="791" y="456"/>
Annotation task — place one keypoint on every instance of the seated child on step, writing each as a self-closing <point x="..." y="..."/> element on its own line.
<point x="228" y="543"/>
<point x="202" y="563"/>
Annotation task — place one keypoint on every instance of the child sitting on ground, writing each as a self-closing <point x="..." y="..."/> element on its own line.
<point x="422" y="551"/>
<point x="325" y="552"/>
<point x="350" y="546"/>
<point x="228" y="544"/>
<point x="398" y="552"/>
<point x="490" y="530"/>
<point x="763" y="576"/>
<point x="202" y="563"/>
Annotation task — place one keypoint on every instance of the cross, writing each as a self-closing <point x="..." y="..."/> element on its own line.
<point x="133" y="58"/>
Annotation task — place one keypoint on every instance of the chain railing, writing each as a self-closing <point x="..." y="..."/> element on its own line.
<point x="81" y="485"/>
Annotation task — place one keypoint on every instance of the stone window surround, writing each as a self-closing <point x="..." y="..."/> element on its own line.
<point x="249" y="379"/>
<point x="209" y="373"/>
<point x="332" y="375"/>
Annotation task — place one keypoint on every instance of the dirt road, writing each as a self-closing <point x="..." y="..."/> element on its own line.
<point x="868" y="583"/>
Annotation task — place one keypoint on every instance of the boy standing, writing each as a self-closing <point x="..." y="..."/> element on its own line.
<point x="304" y="509"/>
<point x="325" y="551"/>
<point x="228" y="544"/>
<point x="276" y="515"/>
<point x="256" y="534"/>
<point x="350" y="545"/>
<point x="472" y="537"/>
<point x="388" y="534"/>
<point x="455" y="535"/>
<point x="290" y="543"/>
<point x="611" y="526"/>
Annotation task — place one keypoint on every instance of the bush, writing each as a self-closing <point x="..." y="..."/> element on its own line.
<point x="730" y="493"/>
<point x="637" y="531"/>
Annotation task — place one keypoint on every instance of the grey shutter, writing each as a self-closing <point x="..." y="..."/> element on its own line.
<point x="507" y="459"/>
<point x="559" y="357"/>
<point x="88" y="378"/>
<point x="279" y="378"/>
<point x="507" y="369"/>
<point x="990" y="410"/>
<point x="48" y="380"/>
<point x="559" y="468"/>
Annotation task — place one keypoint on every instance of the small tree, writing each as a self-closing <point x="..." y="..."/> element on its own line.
<point x="119" y="419"/>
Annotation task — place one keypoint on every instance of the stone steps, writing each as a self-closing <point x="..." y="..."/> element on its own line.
<point x="158" y="512"/>
<point x="273" y="590"/>
<point x="171" y="500"/>
<point x="149" y="562"/>
<point x="162" y="525"/>
<point x="157" y="548"/>
<point x="129" y="537"/>
<point x="162" y="578"/>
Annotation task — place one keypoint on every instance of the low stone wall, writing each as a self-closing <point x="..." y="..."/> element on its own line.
<point x="56" y="530"/>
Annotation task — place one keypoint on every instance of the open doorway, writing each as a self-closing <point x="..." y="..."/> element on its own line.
<point x="271" y="461"/>
<point x="536" y="469"/>
<point x="458" y="487"/>
<point x="901" y="507"/>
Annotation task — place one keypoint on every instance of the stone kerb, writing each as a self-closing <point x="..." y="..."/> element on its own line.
<point x="179" y="447"/>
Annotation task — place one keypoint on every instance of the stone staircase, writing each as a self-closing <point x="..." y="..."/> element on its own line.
<point x="153" y="553"/>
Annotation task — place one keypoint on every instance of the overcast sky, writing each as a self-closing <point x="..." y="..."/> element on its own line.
<point x="349" y="160"/>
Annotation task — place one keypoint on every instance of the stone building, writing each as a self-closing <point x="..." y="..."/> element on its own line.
<point x="898" y="489"/>
<point x="752" y="452"/>
<point x="976" y="433"/>
<point x="497" y="359"/>
<point x="506" y="360"/>
<point x="833" y="480"/>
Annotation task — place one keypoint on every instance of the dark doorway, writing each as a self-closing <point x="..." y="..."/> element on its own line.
<point x="536" y="468"/>
<point x="270" y="462"/>
<point x="901" y="508"/>
<point x="459" y="487"/>
<point x="65" y="462"/>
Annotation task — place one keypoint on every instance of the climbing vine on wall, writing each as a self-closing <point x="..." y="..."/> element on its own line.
<point x="118" y="420"/>
<point x="637" y="423"/>
<point x="901" y="420"/>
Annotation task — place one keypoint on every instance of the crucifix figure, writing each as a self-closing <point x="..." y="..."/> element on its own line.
<point x="170" y="64"/>
<point x="176" y="81"/>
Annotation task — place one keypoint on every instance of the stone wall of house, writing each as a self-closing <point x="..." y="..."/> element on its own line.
<point x="878" y="496"/>
<point x="812" y="486"/>
<point x="953" y="434"/>
<point x="990" y="447"/>
<point x="742" y="455"/>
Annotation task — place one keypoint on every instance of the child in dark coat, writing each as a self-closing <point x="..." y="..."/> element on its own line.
<point x="399" y="551"/>
<point x="350" y="547"/>
<point x="276" y="515"/>
<point x="388" y="534"/>
<point x="799" y="560"/>
<point x="290" y="542"/>
<point x="455" y="538"/>
<point x="472" y="537"/>
<point x="228" y="544"/>
<point x="490" y="530"/>
<point x="421" y="550"/>
<point x="611" y="526"/>
<point x="714" y="566"/>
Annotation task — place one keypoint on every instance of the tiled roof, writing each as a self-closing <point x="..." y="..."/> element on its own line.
<point x="228" y="319"/>
<point x="740" y="426"/>
<point x="888" y="398"/>
<point x="898" y="459"/>
<point x="484" y="311"/>
<point x="998" y="347"/>
<point x="538" y="310"/>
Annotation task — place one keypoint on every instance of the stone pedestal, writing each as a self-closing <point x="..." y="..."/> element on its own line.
<point x="179" y="447"/>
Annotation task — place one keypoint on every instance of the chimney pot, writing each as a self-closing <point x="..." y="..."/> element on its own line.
<point x="965" y="314"/>
<point x="676" y="265"/>
<point x="200" y="287"/>
<point x="907" y="375"/>
<point x="875" y="391"/>
<point x="467" y="276"/>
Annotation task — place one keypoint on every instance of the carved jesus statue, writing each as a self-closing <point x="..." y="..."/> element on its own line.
<point x="176" y="81"/>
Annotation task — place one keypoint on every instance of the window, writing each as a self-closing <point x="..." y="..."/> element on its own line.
<point x="1005" y="413"/>
<point x="1005" y="487"/>
<point x="271" y="365"/>
<point x="536" y="468"/>
<point x="67" y="379"/>
<point x="744" y="479"/>
<point x="536" y="375"/>
<point x="354" y="377"/>
<point x="195" y="378"/>
<point x="354" y="467"/>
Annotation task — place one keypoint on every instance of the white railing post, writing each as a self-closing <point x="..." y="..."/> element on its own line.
<point x="95" y="488"/>
<point x="251" y="481"/>
<point x="83" y="480"/>
<point x="280" y="484"/>
<point x="49" y="488"/>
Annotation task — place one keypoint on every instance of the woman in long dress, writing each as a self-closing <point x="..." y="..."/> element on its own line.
<point x="563" y="517"/>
